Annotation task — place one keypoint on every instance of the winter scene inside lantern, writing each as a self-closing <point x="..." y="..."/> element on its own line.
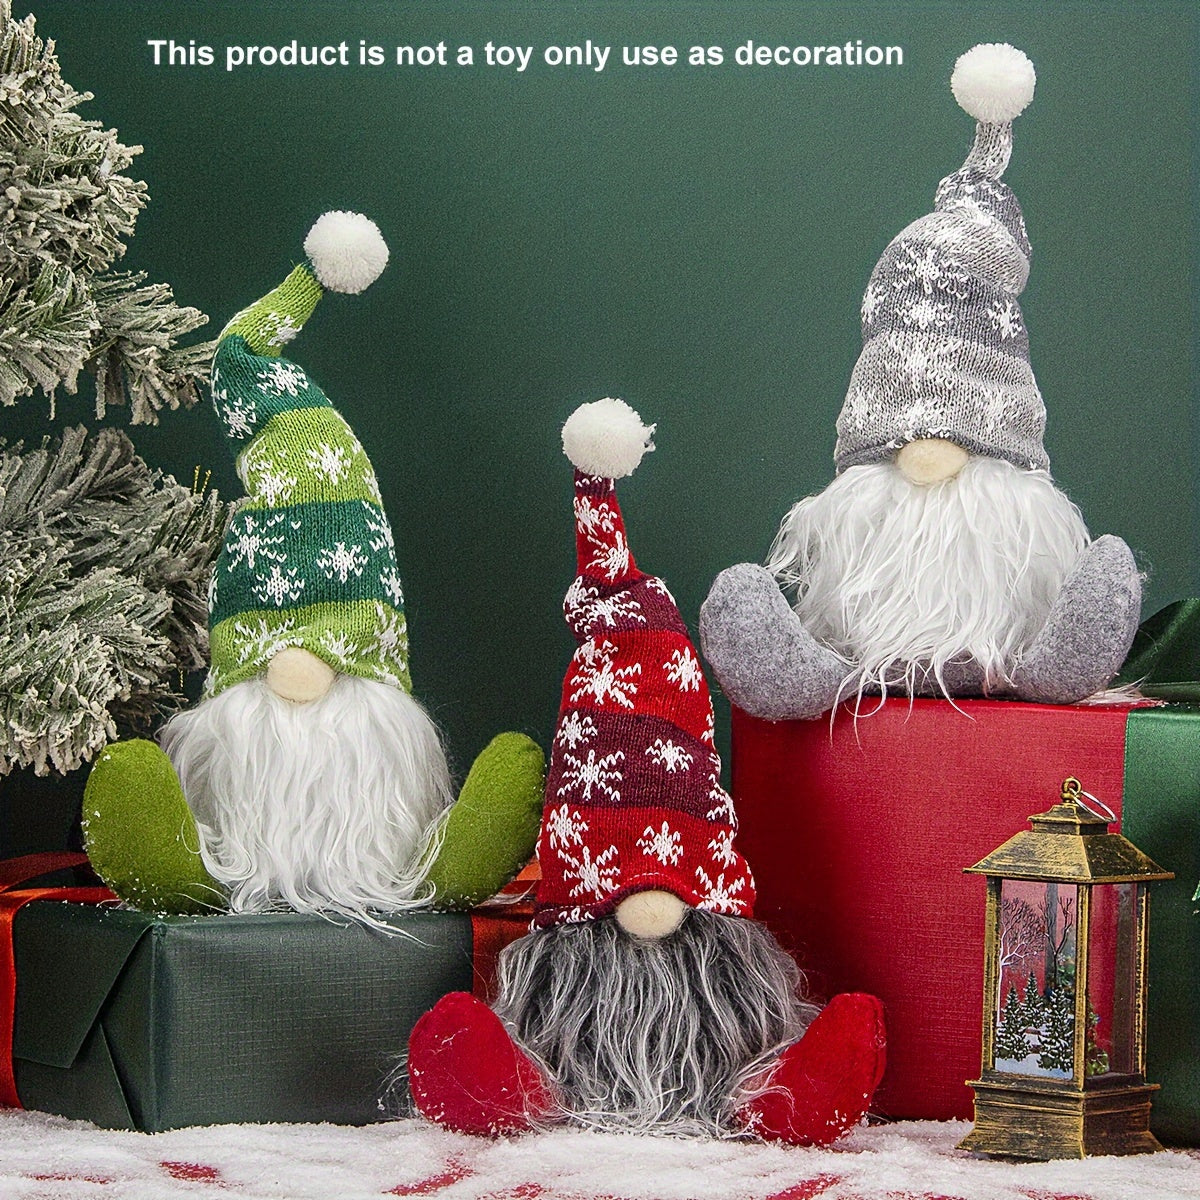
<point x="1063" y="1063"/>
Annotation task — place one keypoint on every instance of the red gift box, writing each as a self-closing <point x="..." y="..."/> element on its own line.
<point x="500" y="921"/>
<point x="858" y="832"/>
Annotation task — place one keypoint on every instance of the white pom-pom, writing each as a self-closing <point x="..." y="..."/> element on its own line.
<point x="993" y="82"/>
<point x="346" y="250"/>
<point x="606" y="438"/>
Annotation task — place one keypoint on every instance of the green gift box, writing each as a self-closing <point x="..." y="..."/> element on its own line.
<point x="1161" y="816"/>
<point x="148" y="1022"/>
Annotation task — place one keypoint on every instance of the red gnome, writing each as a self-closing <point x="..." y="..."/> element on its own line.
<point x="645" y="998"/>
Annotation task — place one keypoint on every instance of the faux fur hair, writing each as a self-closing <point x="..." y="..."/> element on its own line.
<point x="656" y="1036"/>
<point x="330" y="806"/>
<point x="920" y="587"/>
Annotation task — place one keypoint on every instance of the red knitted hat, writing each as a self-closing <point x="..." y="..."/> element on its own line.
<point x="633" y="793"/>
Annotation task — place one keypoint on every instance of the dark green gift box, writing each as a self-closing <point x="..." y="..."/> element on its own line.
<point x="1161" y="815"/>
<point x="153" y="1022"/>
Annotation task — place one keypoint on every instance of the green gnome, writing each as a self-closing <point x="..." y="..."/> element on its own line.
<point x="308" y="776"/>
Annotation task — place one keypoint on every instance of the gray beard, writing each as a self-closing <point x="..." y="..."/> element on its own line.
<point x="331" y="806"/>
<point x="666" y="1036"/>
<point x="929" y="589"/>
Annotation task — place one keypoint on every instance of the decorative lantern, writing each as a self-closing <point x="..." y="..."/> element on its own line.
<point x="1064" y="999"/>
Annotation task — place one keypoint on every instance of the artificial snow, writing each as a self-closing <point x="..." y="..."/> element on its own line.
<point x="49" y="1158"/>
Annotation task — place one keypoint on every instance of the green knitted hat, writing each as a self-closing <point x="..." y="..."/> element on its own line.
<point x="308" y="558"/>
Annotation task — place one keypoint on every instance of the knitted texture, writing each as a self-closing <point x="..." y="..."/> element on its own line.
<point x="274" y="319"/>
<point x="945" y="351"/>
<point x="309" y="559"/>
<point x="633" y="794"/>
<point x="767" y="660"/>
<point x="1089" y="630"/>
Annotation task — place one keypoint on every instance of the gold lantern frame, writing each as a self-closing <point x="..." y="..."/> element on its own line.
<point x="1032" y="1117"/>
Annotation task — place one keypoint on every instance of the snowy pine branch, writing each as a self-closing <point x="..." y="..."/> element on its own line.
<point x="134" y="354"/>
<point x="46" y="328"/>
<point x="66" y="211"/>
<point x="72" y="647"/>
<point x="103" y="572"/>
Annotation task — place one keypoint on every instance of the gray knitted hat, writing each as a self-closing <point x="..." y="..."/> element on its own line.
<point x="945" y="352"/>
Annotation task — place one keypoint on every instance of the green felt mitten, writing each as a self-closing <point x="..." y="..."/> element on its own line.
<point x="492" y="829"/>
<point x="140" y="834"/>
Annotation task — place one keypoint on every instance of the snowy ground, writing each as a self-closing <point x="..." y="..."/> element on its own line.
<point x="48" y="1158"/>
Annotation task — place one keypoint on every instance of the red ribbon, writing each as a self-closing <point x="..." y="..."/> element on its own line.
<point x="494" y="926"/>
<point x="16" y="871"/>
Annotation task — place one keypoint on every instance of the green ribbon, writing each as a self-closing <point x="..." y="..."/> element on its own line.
<point x="1161" y="815"/>
<point x="1164" y="660"/>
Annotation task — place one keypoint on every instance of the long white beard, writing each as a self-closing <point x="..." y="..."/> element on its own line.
<point x="330" y="806"/>
<point x="929" y="588"/>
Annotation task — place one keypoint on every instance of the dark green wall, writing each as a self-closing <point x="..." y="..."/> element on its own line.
<point x="695" y="240"/>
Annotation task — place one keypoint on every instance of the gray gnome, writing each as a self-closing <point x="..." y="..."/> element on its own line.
<point x="942" y="559"/>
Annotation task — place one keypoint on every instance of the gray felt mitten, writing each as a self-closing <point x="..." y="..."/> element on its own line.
<point x="1089" y="630"/>
<point x="767" y="661"/>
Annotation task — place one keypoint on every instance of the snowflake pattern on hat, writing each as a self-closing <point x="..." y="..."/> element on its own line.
<point x="309" y="558"/>
<point x="945" y="351"/>
<point x="633" y="795"/>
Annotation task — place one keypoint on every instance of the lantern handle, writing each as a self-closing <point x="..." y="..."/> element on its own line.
<point x="1073" y="791"/>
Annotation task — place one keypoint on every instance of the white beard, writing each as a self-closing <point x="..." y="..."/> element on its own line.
<point x="330" y="806"/>
<point x="929" y="588"/>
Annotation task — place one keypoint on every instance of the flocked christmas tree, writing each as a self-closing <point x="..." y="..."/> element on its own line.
<point x="66" y="209"/>
<point x="1058" y="1036"/>
<point x="102" y="560"/>
<point x="1011" y="1042"/>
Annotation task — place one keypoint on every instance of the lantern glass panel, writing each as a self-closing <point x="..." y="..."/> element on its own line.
<point x="1113" y="986"/>
<point x="1035" y="995"/>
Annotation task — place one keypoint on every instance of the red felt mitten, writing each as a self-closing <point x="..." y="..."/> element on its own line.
<point x="468" y="1075"/>
<point x="822" y="1084"/>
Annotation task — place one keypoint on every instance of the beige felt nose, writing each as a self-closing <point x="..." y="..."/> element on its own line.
<point x="652" y="914"/>
<point x="931" y="460"/>
<point x="298" y="675"/>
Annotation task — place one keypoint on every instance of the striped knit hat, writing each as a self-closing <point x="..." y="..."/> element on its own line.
<point x="633" y="794"/>
<point x="308" y="558"/>
<point x="945" y="351"/>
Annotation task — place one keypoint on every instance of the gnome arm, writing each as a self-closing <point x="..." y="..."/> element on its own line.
<point x="766" y="661"/>
<point x="140" y="834"/>
<point x="1089" y="630"/>
<point x="491" y="830"/>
